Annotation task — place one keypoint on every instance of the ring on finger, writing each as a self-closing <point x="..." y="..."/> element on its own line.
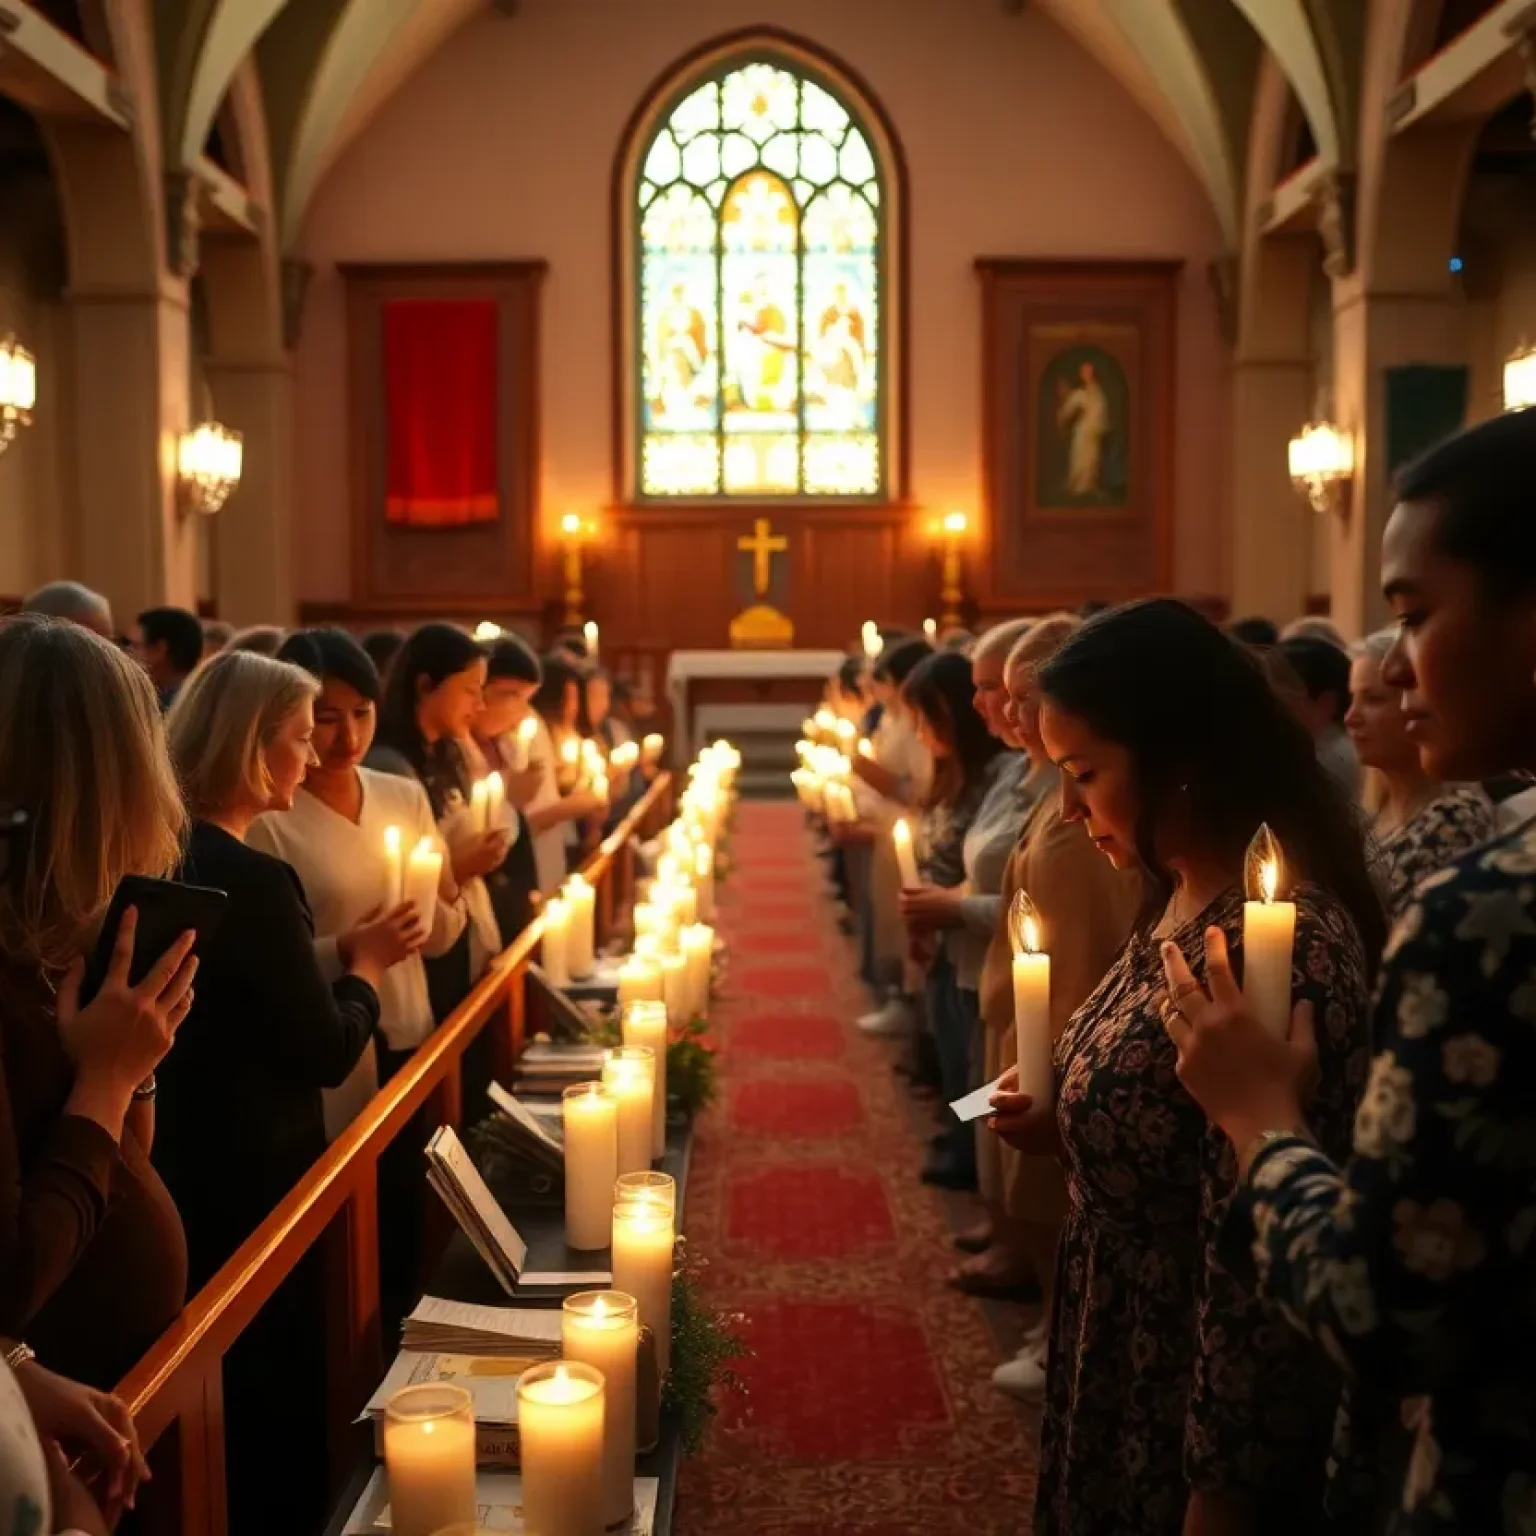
<point x="1187" y="990"/>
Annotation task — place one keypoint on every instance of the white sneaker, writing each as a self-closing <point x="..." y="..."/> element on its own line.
<point x="1023" y="1377"/>
<point x="894" y="1017"/>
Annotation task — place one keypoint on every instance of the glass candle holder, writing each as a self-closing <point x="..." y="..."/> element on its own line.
<point x="560" y="1413"/>
<point x="645" y="1023"/>
<point x="643" y="1240"/>
<point x="602" y="1329"/>
<point x="629" y="1074"/>
<point x="429" y="1455"/>
<point x="590" y="1115"/>
<point x="647" y="1185"/>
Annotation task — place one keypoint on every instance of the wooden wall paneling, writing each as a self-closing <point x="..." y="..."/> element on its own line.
<point x="426" y="571"/>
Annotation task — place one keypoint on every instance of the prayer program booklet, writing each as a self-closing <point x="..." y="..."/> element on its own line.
<point x="491" y="1384"/>
<point x="500" y="1497"/>
<point x="439" y="1326"/>
<point x="541" y="1138"/>
<point x="459" y="1185"/>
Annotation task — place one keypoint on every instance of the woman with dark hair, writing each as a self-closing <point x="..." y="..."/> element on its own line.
<point x="1412" y="1263"/>
<point x="333" y="836"/>
<point x="382" y="646"/>
<point x="1174" y="1400"/>
<point x="972" y="773"/>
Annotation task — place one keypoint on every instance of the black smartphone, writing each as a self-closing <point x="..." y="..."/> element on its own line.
<point x="167" y="909"/>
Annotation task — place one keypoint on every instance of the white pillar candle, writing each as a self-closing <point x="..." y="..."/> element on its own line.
<point x="561" y="1409"/>
<point x="698" y="942"/>
<point x="554" y="951"/>
<point x="645" y="1023"/>
<point x="685" y="904"/>
<point x="643" y="1239"/>
<point x="704" y="881"/>
<point x="589" y="634"/>
<point x="668" y="868"/>
<point x="629" y="1074"/>
<point x="639" y="981"/>
<point x="394" y="869"/>
<point x="1269" y="936"/>
<point x="479" y="801"/>
<point x="429" y="1455"/>
<point x="599" y="786"/>
<point x="648" y="947"/>
<point x="674" y="987"/>
<point x="495" y="802"/>
<point x="602" y="1329"/>
<point x="648" y="1184"/>
<point x="650" y="749"/>
<point x="522" y="744"/>
<point x="423" y="875"/>
<point x="582" y="945"/>
<point x="906" y="859"/>
<point x="591" y="1118"/>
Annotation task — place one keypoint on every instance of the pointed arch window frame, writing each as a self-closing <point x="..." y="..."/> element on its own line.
<point x="714" y="61"/>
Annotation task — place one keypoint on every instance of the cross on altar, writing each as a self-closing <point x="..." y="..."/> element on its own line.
<point x="762" y="546"/>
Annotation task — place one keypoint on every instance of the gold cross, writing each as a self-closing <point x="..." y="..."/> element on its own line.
<point x="762" y="547"/>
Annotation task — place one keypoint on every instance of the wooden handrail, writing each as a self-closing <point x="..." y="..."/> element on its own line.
<point x="179" y="1378"/>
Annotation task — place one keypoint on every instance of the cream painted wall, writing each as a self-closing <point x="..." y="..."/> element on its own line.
<point x="1017" y="144"/>
<point x="1499" y="284"/>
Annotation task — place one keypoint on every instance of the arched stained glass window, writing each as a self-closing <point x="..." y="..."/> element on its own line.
<point x="760" y="345"/>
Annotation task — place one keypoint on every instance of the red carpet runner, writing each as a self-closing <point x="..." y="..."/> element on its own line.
<point x="869" y="1410"/>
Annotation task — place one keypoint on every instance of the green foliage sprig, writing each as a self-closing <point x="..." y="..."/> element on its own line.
<point x="692" y="1071"/>
<point x="705" y="1343"/>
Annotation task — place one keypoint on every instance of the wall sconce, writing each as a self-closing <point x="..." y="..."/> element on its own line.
<point x="1520" y="379"/>
<point x="1322" y="462"/>
<point x="18" y="388"/>
<point x="952" y="593"/>
<point x="209" y="459"/>
<point x="575" y="532"/>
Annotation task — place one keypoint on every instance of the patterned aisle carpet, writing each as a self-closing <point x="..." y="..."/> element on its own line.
<point x="868" y="1410"/>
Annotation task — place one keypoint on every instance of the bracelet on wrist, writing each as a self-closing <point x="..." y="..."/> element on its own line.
<point x="18" y="1355"/>
<point x="146" y="1091"/>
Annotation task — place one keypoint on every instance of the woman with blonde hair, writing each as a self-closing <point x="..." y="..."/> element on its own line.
<point x="1419" y="824"/>
<point x="92" y="1258"/>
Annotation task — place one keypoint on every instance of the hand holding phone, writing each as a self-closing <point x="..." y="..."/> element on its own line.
<point x="122" y="1034"/>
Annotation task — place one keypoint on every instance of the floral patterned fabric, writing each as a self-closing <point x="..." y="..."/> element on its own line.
<point x="1164" y="1373"/>
<point x="1458" y="818"/>
<point x="1415" y="1266"/>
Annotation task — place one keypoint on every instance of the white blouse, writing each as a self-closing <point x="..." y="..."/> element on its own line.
<point x="340" y="864"/>
<point x="548" y="845"/>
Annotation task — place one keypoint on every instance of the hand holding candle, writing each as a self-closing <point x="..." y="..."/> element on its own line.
<point x="1031" y="1002"/>
<point x="906" y="859"/>
<point x="1269" y="936"/>
<point x="423" y="875"/>
<point x="394" y="869"/>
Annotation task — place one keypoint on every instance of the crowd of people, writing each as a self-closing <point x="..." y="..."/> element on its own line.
<point x="1286" y="1283"/>
<point x="147" y="1129"/>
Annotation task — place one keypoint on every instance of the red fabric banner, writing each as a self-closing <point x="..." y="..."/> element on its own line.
<point x="440" y="379"/>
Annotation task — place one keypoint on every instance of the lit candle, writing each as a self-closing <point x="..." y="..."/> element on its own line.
<point x="1031" y="1003"/>
<point x="698" y="943"/>
<point x="560" y="1413"/>
<point x="650" y="749"/>
<point x="423" y="875"/>
<point x="629" y="1074"/>
<point x="570" y="761"/>
<point x="555" y="946"/>
<point x="647" y="1184"/>
<point x="589" y="634"/>
<point x="479" y="801"/>
<point x="522" y="744"/>
<point x="1269" y="936"/>
<point x="869" y="634"/>
<point x="643" y="1239"/>
<point x="598" y="780"/>
<point x="639" y="981"/>
<point x="930" y="630"/>
<point x="704" y="881"/>
<point x="495" y="801"/>
<point x="906" y="859"/>
<point x="581" y="951"/>
<point x="674" y="987"/>
<point x="590" y="1115"/>
<point x="648" y="946"/>
<point x="645" y="1023"/>
<point x="685" y="904"/>
<point x="602" y="1329"/>
<point x="394" y="869"/>
<point x="429" y="1455"/>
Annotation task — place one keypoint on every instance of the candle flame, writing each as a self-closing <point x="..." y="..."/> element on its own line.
<point x="599" y="1307"/>
<point x="931" y="630"/>
<point x="493" y="784"/>
<point x="392" y="839"/>
<point x="561" y="1375"/>
<point x="427" y="1427"/>
<point x="901" y="832"/>
<point x="569" y="750"/>
<point x="528" y="729"/>
<point x="1024" y="925"/>
<point x="1263" y="866"/>
<point x="1270" y="879"/>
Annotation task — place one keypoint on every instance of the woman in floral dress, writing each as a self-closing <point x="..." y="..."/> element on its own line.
<point x="1173" y="1396"/>
<point x="1413" y="1263"/>
<point x="1419" y="824"/>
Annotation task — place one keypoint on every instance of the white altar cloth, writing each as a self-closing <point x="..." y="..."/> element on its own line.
<point x="686" y="667"/>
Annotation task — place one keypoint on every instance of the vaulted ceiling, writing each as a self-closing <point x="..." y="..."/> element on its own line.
<point x="328" y="65"/>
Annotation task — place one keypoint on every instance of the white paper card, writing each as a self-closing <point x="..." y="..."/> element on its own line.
<point x="974" y="1105"/>
<point x="494" y="1398"/>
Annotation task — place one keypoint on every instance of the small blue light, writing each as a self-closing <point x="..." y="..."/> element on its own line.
<point x="1455" y="263"/>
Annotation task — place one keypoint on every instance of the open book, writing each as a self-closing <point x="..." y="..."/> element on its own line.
<point x="540" y="1137"/>
<point x="464" y="1328"/>
<point x="460" y="1187"/>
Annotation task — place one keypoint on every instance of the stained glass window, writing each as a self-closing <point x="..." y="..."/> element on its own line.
<point x="760" y="336"/>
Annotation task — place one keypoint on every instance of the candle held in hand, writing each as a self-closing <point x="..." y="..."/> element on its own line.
<point x="1269" y="936"/>
<point x="906" y="859"/>
<point x="555" y="944"/>
<point x="423" y="875"/>
<point x="560" y="1416"/>
<point x="581" y="947"/>
<point x="429" y="1455"/>
<point x="590" y="1115"/>
<point x="394" y="869"/>
<point x="522" y="744"/>
<point x="1031" y="1002"/>
<point x="479" y="800"/>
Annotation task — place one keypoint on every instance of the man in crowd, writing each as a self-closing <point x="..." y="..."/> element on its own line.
<point x="168" y="644"/>
<point x="71" y="600"/>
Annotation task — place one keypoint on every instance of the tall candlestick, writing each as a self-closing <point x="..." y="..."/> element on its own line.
<point x="591" y="1118"/>
<point x="394" y="869"/>
<point x="643" y="1239"/>
<point x="647" y="1184"/>
<point x="639" y="981"/>
<point x="522" y="744"/>
<point x="602" y="1329"/>
<point x="645" y="1023"/>
<point x="423" y="875"/>
<point x="906" y="859"/>
<point x="429" y="1455"/>
<point x="555" y="946"/>
<point x="1032" y="1003"/>
<point x="1269" y="936"/>
<point x="582" y="950"/>
<point x="561" y="1409"/>
<point x="629" y="1074"/>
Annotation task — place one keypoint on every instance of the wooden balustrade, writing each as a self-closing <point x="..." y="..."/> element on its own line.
<point x="175" y="1392"/>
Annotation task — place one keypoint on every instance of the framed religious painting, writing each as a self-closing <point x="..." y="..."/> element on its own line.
<point x="1078" y="395"/>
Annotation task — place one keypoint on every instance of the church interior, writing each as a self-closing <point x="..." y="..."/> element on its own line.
<point x="677" y="502"/>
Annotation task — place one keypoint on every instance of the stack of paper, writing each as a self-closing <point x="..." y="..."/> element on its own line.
<point x="548" y="1066"/>
<point x="500" y="1499"/>
<point x="492" y="1387"/>
<point x="540" y="1137"/>
<point x="438" y="1326"/>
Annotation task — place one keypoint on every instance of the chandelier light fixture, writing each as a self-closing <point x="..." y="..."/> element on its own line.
<point x="1520" y="379"/>
<point x="1322" y="463"/>
<point x="208" y="465"/>
<point x="18" y="388"/>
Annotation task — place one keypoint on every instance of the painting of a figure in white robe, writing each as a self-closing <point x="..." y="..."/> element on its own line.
<point x="1082" y="431"/>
